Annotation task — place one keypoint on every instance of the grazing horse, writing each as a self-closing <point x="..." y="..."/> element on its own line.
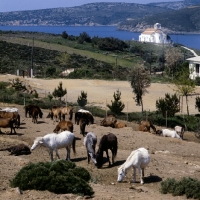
<point x="56" y="141"/>
<point x="180" y="130"/>
<point x="137" y="159"/>
<point x="84" y="114"/>
<point x="64" y="126"/>
<point x="66" y="110"/>
<point x="110" y="120"/>
<point x="34" y="113"/>
<point x="29" y="108"/>
<point x="90" y="142"/>
<point x="168" y="133"/>
<point x="107" y="142"/>
<point x="55" y="113"/>
<point x="83" y="122"/>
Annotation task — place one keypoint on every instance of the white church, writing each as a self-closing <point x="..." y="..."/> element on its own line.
<point x="154" y="35"/>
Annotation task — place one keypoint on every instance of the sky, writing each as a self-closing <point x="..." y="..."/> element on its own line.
<point x="18" y="5"/>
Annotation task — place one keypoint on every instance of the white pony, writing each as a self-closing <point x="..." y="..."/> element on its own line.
<point x="180" y="130"/>
<point x="170" y="133"/>
<point x="137" y="159"/>
<point x="56" y="141"/>
<point x="90" y="142"/>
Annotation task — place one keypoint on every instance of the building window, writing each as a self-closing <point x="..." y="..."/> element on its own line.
<point x="197" y="68"/>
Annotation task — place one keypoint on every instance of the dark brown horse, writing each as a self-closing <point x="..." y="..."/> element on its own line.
<point x="107" y="142"/>
<point x="83" y="122"/>
<point x="84" y="114"/>
<point x="29" y="109"/>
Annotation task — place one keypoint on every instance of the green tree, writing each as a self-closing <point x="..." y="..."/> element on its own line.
<point x="140" y="80"/>
<point x="82" y="99"/>
<point x="168" y="105"/>
<point x="17" y="84"/>
<point x="50" y="96"/>
<point x="117" y="106"/>
<point x="64" y="35"/>
<point x="184" y="86"/>
<point x="64" y="60"/>
<point x="59" y="91"/>
<point x="85" y="37"/>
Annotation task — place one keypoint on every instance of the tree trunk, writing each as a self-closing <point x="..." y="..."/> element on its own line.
<point x="142" y="105"/>
<point x="186" y="98"/>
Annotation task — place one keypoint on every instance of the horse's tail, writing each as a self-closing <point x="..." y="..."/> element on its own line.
<point x="115" y="149"/>
<point x="18" y="121"/>
<point x="74" y="145"/>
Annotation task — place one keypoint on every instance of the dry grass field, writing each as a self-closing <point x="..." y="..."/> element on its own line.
<point x="170" y="157"/>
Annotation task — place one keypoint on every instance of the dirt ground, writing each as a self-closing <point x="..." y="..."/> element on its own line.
<point x="170" y="158"/>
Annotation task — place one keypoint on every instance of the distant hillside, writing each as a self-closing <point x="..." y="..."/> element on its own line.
<point x="183" y="20"/>
<point x="88" y="14"/>
<point x="176" y="5"/>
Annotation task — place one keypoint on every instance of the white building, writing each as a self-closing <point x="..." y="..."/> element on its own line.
<point x="154" y="35"/>
<point x="194" y="67"/>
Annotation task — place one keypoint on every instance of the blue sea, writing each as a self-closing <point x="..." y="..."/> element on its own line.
<point x="188" y="40"/>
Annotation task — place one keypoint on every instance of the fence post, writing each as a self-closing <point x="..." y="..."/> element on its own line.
<point x="106" y="107"/>
<point x="24" y="101"/>
<point x="127" y="112"/>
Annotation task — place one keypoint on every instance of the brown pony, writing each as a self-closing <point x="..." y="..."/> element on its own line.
<point x="12" y="115"/>
<point x="83" y="122"/>
<point x="35" y="113"/>
<point x="63" y="126"/>
<point x="120" y="125"/>
<point x="145" y="126"/>
<point x="55" y="112"/>
<point x="110" y="120"/>
<point x="66" y="110"/>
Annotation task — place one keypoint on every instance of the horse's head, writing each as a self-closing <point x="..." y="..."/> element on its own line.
<point x="40" y="114"/>
<point x="37" y="141"/>
<point x="93" y="157"/>
<point x="158" y="132"/>
<point x="99" y="160"/>
<point x="121" y="174"/>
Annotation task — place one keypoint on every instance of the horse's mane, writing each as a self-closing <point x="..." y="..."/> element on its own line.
<point x="90" y="134"/>
<point x="128" y="159"/>
<point x="38" y="139"/>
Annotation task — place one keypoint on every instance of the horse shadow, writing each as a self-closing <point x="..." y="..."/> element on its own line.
<point x="152" y="179"/>
<point x="117" y="163"/>
<point x="78" y="159"/>
<point x="41" y="122"/>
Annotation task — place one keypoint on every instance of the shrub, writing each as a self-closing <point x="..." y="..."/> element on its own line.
<point x="59" y="177"/>
<point x="188" y="186"/>
<point x="169" y="104"/>
<point x="82" y="99"/>
<point x="117" y="106"/>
